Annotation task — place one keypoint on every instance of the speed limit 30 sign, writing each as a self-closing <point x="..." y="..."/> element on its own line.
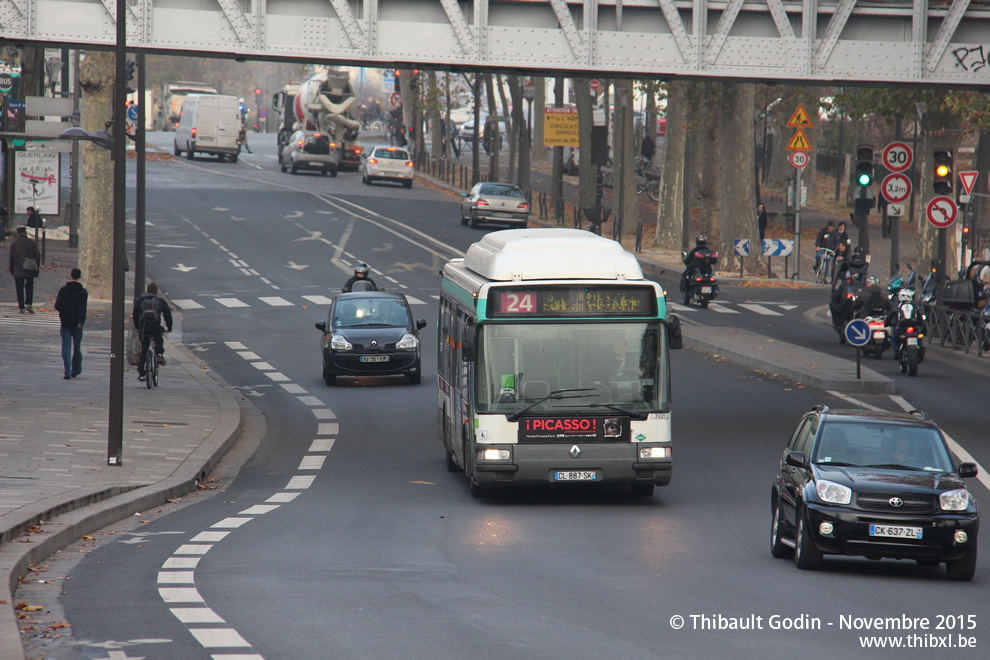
<point x="799" y="159"/>
<point x="897" y="156"/>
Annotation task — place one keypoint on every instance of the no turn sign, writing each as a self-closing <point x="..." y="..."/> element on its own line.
<point x="941" y="211"/>
<point x="799" y="159"/>
<point x="395" y="100"/>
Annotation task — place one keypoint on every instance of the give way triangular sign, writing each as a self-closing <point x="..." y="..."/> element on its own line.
<point x="967" y="179"/>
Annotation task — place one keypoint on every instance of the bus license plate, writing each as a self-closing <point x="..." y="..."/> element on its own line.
<point x="912" y="341"/>
<point x="706" y="289"/>
<point x="891" y="531"/>
<point x="575" y="475"/>
<point x="374" y="358"/>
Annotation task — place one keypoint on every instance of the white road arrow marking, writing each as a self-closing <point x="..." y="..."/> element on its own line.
<point x="386" y="248"/>
<point x="294" y="266"/>
<point x="217" y="208"/>
<point x="184" y="268"/>
<point x="297" y="214"/>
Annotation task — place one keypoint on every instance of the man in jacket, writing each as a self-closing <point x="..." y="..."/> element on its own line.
<point x="24" y="251"/>
<point x="149" y="309"/>
<point x="70" y="303"/>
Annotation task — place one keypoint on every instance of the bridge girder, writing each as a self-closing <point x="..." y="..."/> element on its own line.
<point x="934" y="42"/>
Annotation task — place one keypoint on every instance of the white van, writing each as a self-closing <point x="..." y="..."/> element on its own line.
<point x="210" y="124"/>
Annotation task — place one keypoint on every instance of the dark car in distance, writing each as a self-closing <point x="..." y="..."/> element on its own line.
<point x="370" y="333"/>
<point x="873" y="484"/>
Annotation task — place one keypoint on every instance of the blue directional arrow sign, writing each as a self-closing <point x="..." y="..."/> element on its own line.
<point x="774" y="247"/>
<point x="132" y="112"/>
<point x="741" y="247"/>
<point x="857" y="332"/>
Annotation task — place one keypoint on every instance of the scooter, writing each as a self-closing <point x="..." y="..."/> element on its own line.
<point x="879" y="337"/>
<point x="912" y="351"/>
<point x="702" y="282"/>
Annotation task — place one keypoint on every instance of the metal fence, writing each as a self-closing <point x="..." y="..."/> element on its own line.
<point x="968" y="330"/>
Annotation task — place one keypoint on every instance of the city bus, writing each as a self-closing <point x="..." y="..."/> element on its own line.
<point x="553" y="364"/>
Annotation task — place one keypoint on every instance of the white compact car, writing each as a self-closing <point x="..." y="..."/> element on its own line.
<point x="387" y="164"/>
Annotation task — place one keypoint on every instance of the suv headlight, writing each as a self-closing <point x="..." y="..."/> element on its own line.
<point x="408" y="342"/>
<point x="339" y="343"/>
<point x="833" y="493"/>
<point x="954" y="500"/>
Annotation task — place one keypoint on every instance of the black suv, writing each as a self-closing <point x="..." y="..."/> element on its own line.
<point x="873" y="484"/>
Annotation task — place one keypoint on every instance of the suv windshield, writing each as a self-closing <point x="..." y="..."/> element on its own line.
<point x="594" y="365"/>
<point x="879" y="444"/>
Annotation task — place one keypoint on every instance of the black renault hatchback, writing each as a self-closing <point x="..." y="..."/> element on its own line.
<point x="370" y="333"/>
<point x="873" y="484"/>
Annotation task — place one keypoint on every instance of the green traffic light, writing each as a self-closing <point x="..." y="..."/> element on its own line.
<point x="864" y="179"/>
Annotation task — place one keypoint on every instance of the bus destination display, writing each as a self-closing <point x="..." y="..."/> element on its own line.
<point x="573" y="301"/>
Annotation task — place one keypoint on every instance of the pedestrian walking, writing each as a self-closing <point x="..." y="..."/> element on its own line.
<point x="34" y="219"/>
<point x="761" y="221"/>
<point x="24" y="266"/>
<point x="70" y="303"/>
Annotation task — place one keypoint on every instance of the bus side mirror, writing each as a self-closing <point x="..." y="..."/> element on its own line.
<point x="674" y="338"/>
<point x="467" y="343"/>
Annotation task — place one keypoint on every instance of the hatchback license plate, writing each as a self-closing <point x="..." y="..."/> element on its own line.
<point x="374" y="358"/>
<point x="575" y="475"/>
<point x="892" y="531"/>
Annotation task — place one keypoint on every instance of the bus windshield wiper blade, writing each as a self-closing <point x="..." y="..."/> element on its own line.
<point x="638" y="415"/>
<point x="555" y="395"/>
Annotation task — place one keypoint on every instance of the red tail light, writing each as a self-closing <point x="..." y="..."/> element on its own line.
<point x="482" y="202"/>
<point x="300" y="143"/>
<point x="409" y="163"/>
<point x="373" y="161"/>
<point x="356" y="150"/>
<point x="193" y="133"/>
<point x="910" y="330"/>
<point x="523" y="206"/>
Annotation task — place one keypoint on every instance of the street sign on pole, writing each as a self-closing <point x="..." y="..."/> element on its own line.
<point x="741" y="247"/>
<point x="799" y="159"/>
<point x="799" y="142"/>
<point x="896" y="188"/>
<point x="897" y="156"/>
<point x="595" y="85"/>
<point x="395" y="100"/>
<point x="777" y="247"/>
<point x="857" y="332"/>
<point x="896" y="210"/>
<point x="967" y="180"/>
<point x="941" y="211"/>
<point x="800" y="118"/>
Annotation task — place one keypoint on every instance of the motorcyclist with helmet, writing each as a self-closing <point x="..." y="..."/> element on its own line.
<point x="907" y="312"/>
<point x="872" y="302"/>
<point x="360" y="278"/>
<point x="694" y="262"/>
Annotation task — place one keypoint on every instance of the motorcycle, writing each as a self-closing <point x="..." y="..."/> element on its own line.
<point x="909" y="347"/>
<point x="879" y="337"/>
<point x="702" y="282"/>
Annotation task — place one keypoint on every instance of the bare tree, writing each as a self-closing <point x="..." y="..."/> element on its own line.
<point x="96" y="78"/>
<point x="708" y="156"/>
<point x="520" y="133"/>
<point x="540" y="153"/>
<point x="433" y="107"/>
<point x="587" y="185"/>
<point x="625" y="153"/>
<point x="670" y="210"/>
<point x="737" y="212"/>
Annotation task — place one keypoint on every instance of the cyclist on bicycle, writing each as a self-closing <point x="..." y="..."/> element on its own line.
<point x="821" y="243"/>
<point x="148" y="311"/>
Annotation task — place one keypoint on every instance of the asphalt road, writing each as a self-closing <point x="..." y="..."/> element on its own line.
<point x="386" y="554"/>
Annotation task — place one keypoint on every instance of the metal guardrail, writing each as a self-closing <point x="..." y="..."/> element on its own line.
<point x="966" y="329"/>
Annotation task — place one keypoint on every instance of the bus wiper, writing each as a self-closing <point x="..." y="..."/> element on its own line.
<point x="555" y="395"/>
<point x="638" y="415"/>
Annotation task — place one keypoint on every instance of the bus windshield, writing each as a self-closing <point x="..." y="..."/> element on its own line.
<point x="588" y="365"/>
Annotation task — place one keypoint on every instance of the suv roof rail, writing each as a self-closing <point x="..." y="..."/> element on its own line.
<point x="821" y="407"/>
<point x="918" y="413"/>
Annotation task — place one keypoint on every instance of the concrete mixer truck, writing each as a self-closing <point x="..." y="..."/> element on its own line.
<point x="325" y="103"/>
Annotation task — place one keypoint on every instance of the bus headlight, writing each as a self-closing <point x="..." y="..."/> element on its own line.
<point x="408" y="342"/>
<point x="339" y="343"/>
<point x="647" y="453"/>
<point x="493" y="455"/>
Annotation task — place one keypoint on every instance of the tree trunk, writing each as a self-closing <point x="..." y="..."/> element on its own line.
<point x="670" y="210"/>
<point x="96" y="78"/>
<point x="709" y="158"/>
<point x="737" y="215"/>
<point x="540" y="153"/>
<point x="492" y="127"/>
<point x="433" y="107"/>
<point x="587" y="184"/>
<point x="521" y="132"/>
<point x="512" y="127"/>
<point x="624" y="114"/>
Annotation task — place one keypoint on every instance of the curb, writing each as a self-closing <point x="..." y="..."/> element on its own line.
<point x="106" y="506"/>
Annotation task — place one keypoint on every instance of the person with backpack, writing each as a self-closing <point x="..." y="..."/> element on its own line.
<point x="149" y="309"/>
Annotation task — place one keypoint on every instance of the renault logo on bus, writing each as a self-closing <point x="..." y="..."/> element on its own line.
<point x="575" y="451"/>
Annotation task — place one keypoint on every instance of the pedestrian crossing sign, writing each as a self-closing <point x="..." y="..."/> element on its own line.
<point x="800" y="118"/>
<point x="799" y="142"/>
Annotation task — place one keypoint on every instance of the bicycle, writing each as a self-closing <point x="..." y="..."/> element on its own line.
<point x="151" y="364"/>
<point x="825" y="266"/>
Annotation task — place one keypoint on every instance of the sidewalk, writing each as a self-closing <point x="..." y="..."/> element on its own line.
<point x="55" y="484"/>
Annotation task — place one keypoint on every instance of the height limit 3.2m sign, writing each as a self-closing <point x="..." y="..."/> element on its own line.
<point x="896" y="188"/>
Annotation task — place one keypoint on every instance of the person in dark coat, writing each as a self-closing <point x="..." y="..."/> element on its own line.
<point x="34" y="219"/>
<point x="647" y="148"/>
<point x="70" y="303"/>
<point x="151" y="330"/>
<point x="21" y="249"/>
